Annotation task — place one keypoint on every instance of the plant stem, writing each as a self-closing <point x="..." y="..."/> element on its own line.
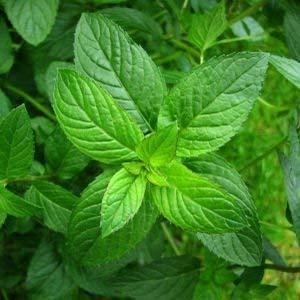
<point x="231" y="40"/>
<point x="185" y="47"/>
<point x="4" y="294"/>
<point x="170" y="239"/>
<point x="263" y="155"/>
<point x="286" y="269"/>
<point x="247" y="12"/>
<point x="275" y="226"/>
<point x="26" y="178"/>
<point x="31" y="100"/>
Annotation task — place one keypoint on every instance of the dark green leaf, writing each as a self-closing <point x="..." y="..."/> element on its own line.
<point x="16" y="148"/>
<point x="6" y="51"/>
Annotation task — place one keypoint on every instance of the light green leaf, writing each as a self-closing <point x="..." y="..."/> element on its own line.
<point x="243" y="247"/>
<point x="55" y="204"/>
<point x="248" y="28"/>
<point x="195" y="203"/>
<point x="16" y="147"/>
<point x="63" y="159"/>
<point x="46" y="276"/>
<point x="51" y="75"/>
<point x="206" y="28"/>
<point x="84" y="236"/>
<point x="211" y="104"/>
<point x="33" y="19"/>
<point x="106" y="53"/>
<point x="122" y="200"/>
<point x="165" y="279"/>
<point x="159" y="148"/>
<point x="289" y="68"/>
<point x="15" y="205"/>
<point x="6" y="51"/>
<point x="92" y="120"/>
<point x="5" y="104"/>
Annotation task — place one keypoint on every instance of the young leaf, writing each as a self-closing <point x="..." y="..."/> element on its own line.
<point x="164" y="279"/>
<point x="106" y="53"/>
<point x="243" y="247"/>
<point x="6" y="51"/>
<point x="55" y="204"/>
<point x="84" y="236"/>
<point x="289" y="68"/>
<point x="62" y="157"/>
<point x="33" y="19"/>
<point x="212" y="102"/>
<point x="159" y="148"/>
<point x="122" y="200"/>
<point x="92" y="120"/>
<point x="194" y="203"/>
<point x="16" y="148"/>
<point x="206" y="28"/>
<point x="15" y="205"/>
<point x="291" y="167"/>
<point x="46" y="276"/>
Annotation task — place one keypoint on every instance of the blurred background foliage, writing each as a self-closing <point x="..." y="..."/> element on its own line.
<point x="163" y="29"/>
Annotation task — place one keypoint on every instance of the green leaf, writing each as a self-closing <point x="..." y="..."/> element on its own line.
<point x="51" y="75"/>
<point x="164" y="279"/>
<point x="5" y="104"/>
<point x="33" y="19"/>
<point x="243" y="247"/>
<point x="291" y="168"/>
<point x="46" y="276"/>
<point x="63" y="159"/>
<point x="84" y="236"/>
<point x="132" y="19"/>
<point x="194" y="203"/>
<point x="15" y="205"/>
<point x="159" y="148"/>
<point x="206" y="28"/>
<point x="248" y="28"/>
<point x="122" y="200"/>
<point x="211" y="104"/>
<point x="2" y="218"/>
<point x="271" y="253"/>
<point x="6" y="50"/>
<point x="55" y="204"/>
<point x="289" y="68"/>
<point x="16" y="148"/>
<point x="92" y="120"/>
<point x="291" y="26"/>
<point x="106" y="53"/>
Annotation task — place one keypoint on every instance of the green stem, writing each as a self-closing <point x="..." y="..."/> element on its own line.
<point x="170" y="239"/>
<point x="267" y="104"/>
<point x="275" y="225"/>
<point x="231" y="40"/>
<point x="185" y="47"/>
<point x="26" y="178"/>
<point x="4" y="294"/>
<point x="247" y="12"/>
<point x="263" y="155"/>
<point x="31" y="100"/>
<point x="286" y="269"/>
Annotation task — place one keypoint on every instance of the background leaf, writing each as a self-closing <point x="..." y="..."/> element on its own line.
<point x="6" y="50"/>
<point x="33" y="19"/>
<point x="16" y="148"/>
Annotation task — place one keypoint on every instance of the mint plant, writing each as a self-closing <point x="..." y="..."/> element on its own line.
<point x="133" y="170"/>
